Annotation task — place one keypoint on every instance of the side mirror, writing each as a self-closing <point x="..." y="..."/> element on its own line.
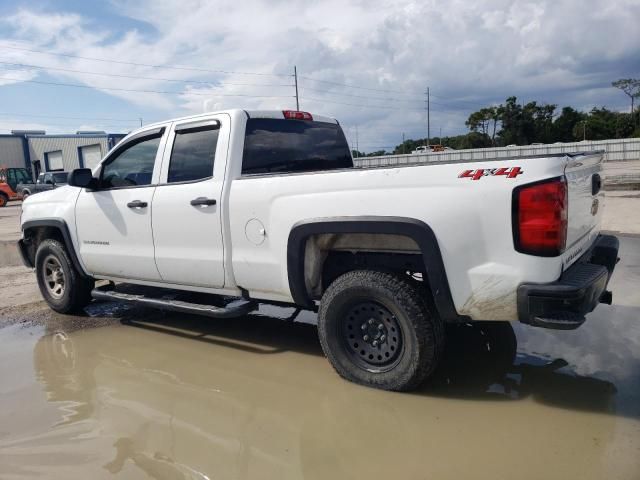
<point x="81" y="177"/>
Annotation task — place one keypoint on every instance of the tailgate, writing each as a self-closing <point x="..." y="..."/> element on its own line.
<point x="585" y="197"/>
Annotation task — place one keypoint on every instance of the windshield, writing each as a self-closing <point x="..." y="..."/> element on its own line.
<point x="60" y="177"/>
<point x="22" y="175"/>
<point x="273" y="145"/>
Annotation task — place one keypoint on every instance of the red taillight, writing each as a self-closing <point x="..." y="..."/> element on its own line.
<point x="540" y="218"/>
<point x="296" y="115"/>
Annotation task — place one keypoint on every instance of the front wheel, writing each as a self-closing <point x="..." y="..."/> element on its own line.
<point x="376" y="330"/>
<point x="25" y="195"/>
<point x="61" y="285"/>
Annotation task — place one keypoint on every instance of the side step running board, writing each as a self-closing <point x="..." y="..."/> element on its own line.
<point x="235" y="308"/>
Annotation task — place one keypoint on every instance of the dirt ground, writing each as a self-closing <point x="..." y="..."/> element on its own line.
<point x="622" y="212"/>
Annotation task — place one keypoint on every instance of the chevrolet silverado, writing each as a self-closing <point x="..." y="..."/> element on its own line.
<point x="212" y="213"/>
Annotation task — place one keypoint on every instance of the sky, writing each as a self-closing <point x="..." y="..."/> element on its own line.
<point x="366" y="63"/>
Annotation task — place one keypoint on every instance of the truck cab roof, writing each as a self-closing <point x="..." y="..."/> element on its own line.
<point x="277" y="114"/>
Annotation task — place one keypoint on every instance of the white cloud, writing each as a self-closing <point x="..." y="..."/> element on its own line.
<point x="10" y="76"/>
<point x="549" y="50"/>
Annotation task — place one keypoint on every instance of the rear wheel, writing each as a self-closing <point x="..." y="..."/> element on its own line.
<point x="3" y="200"/>
<point x="61" y="285"/>
<point x="376" y="330"/>
<point x="25" y="195"/>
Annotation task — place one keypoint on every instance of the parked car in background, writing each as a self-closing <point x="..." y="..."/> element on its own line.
<point x="9" y="180"/>
<point x="45" y="181"/>
<point x="430" y="149"/>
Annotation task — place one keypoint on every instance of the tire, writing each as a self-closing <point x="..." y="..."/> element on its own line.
<point x="3" y="200"/>
<point x="25" y="195"/>
<point x="64" y="289"/>
<point x="364" y="307"/>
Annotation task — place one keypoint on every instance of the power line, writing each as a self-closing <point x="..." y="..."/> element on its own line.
<point x="388" y="99"/>
<point x="329" y="92"/>
<point x="383" y="107"/>
<point x="203" y="82"/>
<point x="75" y="85"/>
<point x="355" y="86"/>
<point x="8" y="121"/>
<point x="196" y="69"/>
<point x="68" y="118"/>
<point x="364" y="106"/>
<point x="413" y="94"/>
<point x="121" y="62"/>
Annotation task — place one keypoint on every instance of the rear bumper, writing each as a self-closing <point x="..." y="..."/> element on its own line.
<point x="564" y="303"/>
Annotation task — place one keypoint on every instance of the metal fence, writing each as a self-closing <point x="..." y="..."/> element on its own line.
<point x="624" y="150"/>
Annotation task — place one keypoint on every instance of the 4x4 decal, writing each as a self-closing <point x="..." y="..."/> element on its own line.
<point x="512" y="172"/>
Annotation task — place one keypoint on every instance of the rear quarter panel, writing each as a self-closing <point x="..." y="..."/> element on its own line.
<point x="471" y="220"/>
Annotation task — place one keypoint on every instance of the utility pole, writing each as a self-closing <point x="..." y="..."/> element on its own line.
<point x="428" y="119"/>
<point x="295" y="76"/>
<point x="403" y="143"/>
<point x="357" y="145"/>
<point x="440" y="137"/>
<point x="140" y="121"/>
<point x="584" y="130"/>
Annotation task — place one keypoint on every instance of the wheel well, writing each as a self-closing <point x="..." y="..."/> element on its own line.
<point x="35" y="235"/>
<point x="398" y="240"/>
<point x="327" y="256"/>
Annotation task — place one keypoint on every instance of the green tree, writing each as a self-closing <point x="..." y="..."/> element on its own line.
<point x="485" y="121"/>
<point x="603" y="124"/>
<point x="631" y="87"/>
<point x="543" y="123"/>
<point x="564" y="125"/>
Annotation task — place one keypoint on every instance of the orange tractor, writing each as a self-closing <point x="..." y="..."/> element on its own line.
<point x="9" y="179"/>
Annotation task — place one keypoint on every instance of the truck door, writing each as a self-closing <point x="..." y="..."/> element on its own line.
<point x="187" y="205"/>
<point x="113" y="221"/>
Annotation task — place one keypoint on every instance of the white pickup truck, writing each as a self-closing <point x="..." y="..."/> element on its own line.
<point x="212" y="213"/>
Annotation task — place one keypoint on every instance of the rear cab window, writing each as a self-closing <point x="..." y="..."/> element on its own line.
<point x="193" y="153"/>
<point x="60" y="178"/>
<point x="274" y="146"/>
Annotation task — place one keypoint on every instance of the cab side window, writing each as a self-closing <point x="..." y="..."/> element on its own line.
<point x="132" y="166"/>
<point x="193" y="154"/>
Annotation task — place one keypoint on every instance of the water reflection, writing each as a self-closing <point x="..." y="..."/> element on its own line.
<point x="171" y="396"/>
<point x="184" y="397"/>
<point x="481" y="362"/>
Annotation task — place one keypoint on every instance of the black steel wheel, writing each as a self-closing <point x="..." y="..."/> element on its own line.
<point x="372" y="336"/>
<point x="375" y="328"/>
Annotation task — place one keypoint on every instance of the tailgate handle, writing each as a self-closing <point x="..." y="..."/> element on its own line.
<point x="596" y="183"/>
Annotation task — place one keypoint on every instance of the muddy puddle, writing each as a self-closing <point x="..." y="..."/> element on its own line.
<point x="140" y="394"/>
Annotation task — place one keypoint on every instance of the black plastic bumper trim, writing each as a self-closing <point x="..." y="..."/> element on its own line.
<point x="22" y="248"/>
<point x="564" y="303"/>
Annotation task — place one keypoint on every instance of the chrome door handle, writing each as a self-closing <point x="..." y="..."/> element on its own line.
<point x="137" y="204"/>
<point x="203" y="201"/>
